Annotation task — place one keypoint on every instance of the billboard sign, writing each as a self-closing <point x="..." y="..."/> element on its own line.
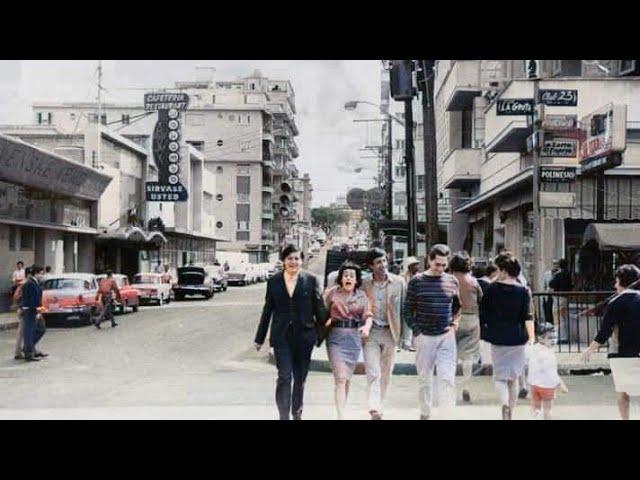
<point x="605" y="134"/>
<point x="559" y="97"/>
<point x="514" y="106"/>
<point x="166" y="146"/>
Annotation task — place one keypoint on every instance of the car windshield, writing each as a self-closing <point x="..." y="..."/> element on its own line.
<point x="146" y="279"/>
<point x="59" y="283"/>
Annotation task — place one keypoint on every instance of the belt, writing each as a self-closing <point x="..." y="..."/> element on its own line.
<point x="346" y="323"/>
<point x="375" y="325"/>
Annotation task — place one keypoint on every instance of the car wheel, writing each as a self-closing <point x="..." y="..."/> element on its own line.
<point x="224" y="289"/>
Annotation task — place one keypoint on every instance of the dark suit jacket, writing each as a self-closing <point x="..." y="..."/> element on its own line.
<point x="298" y="310"/>
<point x="31" y="294"/>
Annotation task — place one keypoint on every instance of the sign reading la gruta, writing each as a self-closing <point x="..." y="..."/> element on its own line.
<point x="514" y="106"/>
<point x="166" y="147"/>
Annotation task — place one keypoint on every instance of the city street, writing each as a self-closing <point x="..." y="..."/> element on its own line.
<point x="193" y="359"/>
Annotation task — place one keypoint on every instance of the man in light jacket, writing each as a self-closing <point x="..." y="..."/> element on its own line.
<point x="386" y="294"/>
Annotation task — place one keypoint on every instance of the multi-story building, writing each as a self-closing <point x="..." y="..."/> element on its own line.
<point x="49" y="207"/>
<point x="486" y="166"/>
<point x="245" y="130"/>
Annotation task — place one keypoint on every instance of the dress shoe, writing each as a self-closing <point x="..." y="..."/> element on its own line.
<point x="97" y="325"/>
<point x="297" y="415"/>
<point x="114" y="324"/>
<point x="523" y="393"/>
<point x="40" y="355"/>
<point x="424" y="417"/>
<point x="19" y="357"/>
<point x="29" y="358"/>
<point x="466" y="396"/>
<point x="375" y="415"/>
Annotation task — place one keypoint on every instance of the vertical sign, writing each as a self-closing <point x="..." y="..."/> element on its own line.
<point x="166" y="146"/>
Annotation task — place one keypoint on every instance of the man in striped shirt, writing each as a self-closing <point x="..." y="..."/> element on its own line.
<point x="432" y="311"/>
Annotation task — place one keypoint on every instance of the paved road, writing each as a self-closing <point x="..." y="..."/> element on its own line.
<point x="193" y="359"/>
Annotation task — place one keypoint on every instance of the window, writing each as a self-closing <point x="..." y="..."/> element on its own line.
<point x="26" y="238"/>
<point x="420" y="183"/>
<point x="44" y="118"/>
<point x="103" y="119"/>
<point x="232" y="118"/>
<point x="627" y="66"/>
<point x="400" y="171"/>
<point x="13" y="237"/>
<point x="242" y="236"/>
<point x="467" y="129"/>
<point x="400" y="144"/>
<point x="243" y="185"/>
<point x="567" y="68"/>
<point x="253" y="86"/>
<point x="126" y="119"/>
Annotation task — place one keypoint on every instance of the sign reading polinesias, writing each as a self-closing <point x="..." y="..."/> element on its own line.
<point x="605" y="132"/>
<point x="154" y="102"/>
<point x="559" y="97"/>
<point x="166" y="147"/>
<point x="514" y="106"/>
<point x="557" y="174"/>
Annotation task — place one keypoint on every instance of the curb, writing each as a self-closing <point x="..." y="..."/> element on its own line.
<point x="8" y="325"/>
<point x="484" y="370"/>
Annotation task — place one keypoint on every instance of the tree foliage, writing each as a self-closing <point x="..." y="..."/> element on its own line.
<point x="328" y="216"/>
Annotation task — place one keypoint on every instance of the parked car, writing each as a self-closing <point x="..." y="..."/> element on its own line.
<point x="193" y="281"/>
<point x="264" y="271"/>
<point x="129" y="296"/>
<point x="240" y="274"/>
<point x="70" y="295"/>
<point x="151" y="288"/>
<point x="219" y="276"/>
<point x="275" y="268"/>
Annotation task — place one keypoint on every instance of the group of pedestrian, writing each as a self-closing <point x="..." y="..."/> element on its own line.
<point x="446" y="309"/>
<point x="27" y="298"/>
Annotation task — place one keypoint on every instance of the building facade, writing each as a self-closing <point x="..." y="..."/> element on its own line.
<point x="486" y="166"/>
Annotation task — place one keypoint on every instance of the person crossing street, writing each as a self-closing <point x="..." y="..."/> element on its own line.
<point x="106" y="290"/>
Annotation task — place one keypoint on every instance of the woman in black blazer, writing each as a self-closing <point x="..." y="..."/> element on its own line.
<point x="293" y="299"/>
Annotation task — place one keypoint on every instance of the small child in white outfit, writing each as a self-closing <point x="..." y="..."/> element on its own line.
<point x="543" y="372"/>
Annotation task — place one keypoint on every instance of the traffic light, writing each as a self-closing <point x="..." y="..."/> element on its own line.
<point x="402" y="79"/>
<point x="286" y="200"/>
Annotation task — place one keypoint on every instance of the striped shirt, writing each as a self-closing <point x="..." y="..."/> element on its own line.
<point x="431" y="303"/>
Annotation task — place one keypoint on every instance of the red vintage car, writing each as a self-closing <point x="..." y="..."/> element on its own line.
<point x="129" y="296"/>
<point x="70" y="295"/>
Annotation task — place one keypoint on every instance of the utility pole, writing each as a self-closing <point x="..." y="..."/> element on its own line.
<point x="537" y="263"/>
<point x="99" y="163"/>
<point x="410" y="172"/>
<point x="425" y="83"/>
<point x="389" y="168"/>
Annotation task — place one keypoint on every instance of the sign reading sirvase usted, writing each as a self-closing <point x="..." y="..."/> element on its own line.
<point x="166" y="146"/>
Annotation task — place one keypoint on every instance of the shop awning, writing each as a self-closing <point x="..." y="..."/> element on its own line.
<point x="134" y="235"/>
<point x="614" y="236"/>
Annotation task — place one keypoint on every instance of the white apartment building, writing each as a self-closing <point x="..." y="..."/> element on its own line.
<point x="245" y="132"/>
<point x="484" y="164"/>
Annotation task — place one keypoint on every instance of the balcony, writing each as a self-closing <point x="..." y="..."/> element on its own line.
<point x="267" y="213"/>
<point x="269" y="164"/>
<point x="462" y="85"/>
<point x="267" y="189"/>
<point x="461" y="169"/>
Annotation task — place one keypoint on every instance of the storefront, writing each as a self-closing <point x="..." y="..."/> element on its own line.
<point x="48" y="211"/>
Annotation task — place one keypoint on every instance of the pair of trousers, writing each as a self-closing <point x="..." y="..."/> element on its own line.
<point x="406" y="335"/>
<point x="29" y="321"/>
<point x="107" y="312"/>
<point x="20" y="334"/>
<point x="379" y="355"/>
<point x="437" y="351"/>
<point x="292" y="361"/>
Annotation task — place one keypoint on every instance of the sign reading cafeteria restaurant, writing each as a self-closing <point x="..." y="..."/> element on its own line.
<point x="166" y="146"/>
<point x="557" y="174"/>
<point x="559" y="147"/>
<point x="514" y="106"/>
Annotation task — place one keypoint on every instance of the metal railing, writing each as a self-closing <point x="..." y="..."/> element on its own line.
<point x="574" y="314"/>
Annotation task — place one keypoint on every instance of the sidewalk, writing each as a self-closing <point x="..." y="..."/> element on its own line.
<point x="568" y="363"/>
<point x="8" y="320"/>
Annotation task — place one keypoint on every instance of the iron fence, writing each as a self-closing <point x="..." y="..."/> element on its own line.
<point x="576" y="315"/>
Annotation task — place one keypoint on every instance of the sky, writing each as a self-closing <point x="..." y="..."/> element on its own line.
<point x="329" y="140"/>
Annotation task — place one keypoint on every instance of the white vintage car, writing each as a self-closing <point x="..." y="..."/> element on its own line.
<point x="152" y="289"/>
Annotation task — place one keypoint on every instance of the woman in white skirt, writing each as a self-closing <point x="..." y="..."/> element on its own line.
<point x="506" y="323"/>
<point x="623" y="314"/>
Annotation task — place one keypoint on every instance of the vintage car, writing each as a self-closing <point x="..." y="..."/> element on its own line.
<point x="70" y="296"/>
<point x="129" y="296"/>
<point x="193" y="281"/>
<point x="219" y="276"/>
<point x="240" y="274"/>
<point x="151" y="288"/>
